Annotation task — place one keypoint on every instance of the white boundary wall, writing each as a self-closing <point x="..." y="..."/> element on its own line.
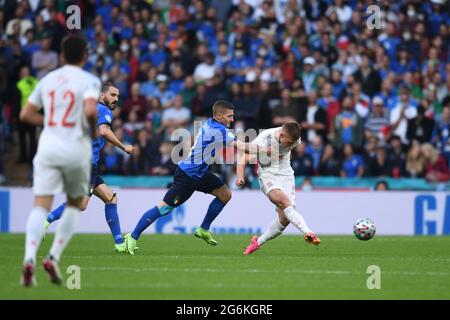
<point x="394" y="213"/>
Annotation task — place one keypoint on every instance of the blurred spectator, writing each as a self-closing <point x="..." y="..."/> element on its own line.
<point x="132" y="125"/>
<point x="154" y="115"/>
<point x="420" y="128"/>
<point x="378" y="123"/>
<point x="199" y="108"/>
<point x="315" y="150"/>
<point x="188" y="92"/>
<point x="22" y="23"/>
<point x="163" y="93"/>
<point x="302" y="162"/>
<point x="379" y="166"/>
<point x="361" y="101"/>
<point x="44" y="60"/>
<point x="135" y="102"/>
<point x="205" y="70"/>
<point x="162" y="165"/>
<point x="368" y="77"/>
<point x="401" y="113"/>
<point x="27" y="132"/>
<point x="315" y="120"/>
<point x="136" y="164"/>
<point x="176" y="116"/>
<point x="415" y="161"/>
<point x="329" y="165"/>
<point x="436" y="167"/>
<point x="381" y="185"/>
<point x="330" y="104"/>
<point x="247" y="107"/>
<point x="348" y="126"/>
<point x="397" y="158"/>
<point x="286" y="110"/>
<point x="442" y="133"/>
<point x="353" y="165"/>
<point x="306" y="184"/>
<point x="308" y="76"/>
<point x="3" y="86"/>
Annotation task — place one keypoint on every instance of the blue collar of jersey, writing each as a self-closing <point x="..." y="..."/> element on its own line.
<point x="214" y="120"/>
<point x="104" y="104"/>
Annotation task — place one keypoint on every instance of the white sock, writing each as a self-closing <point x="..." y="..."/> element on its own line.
<point x="296" y="219"/>
<point x="65" y="230"/>
<point x="35" y="230"/>
<point x="275" y="229"/>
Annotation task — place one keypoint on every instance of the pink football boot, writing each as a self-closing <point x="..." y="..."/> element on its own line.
<point x="253" y="246"/>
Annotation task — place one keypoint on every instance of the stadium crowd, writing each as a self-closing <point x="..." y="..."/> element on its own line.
<point x="371" y="101"/>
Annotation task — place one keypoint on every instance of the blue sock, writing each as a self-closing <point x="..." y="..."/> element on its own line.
<point x="146" y="220"/>
<point x="56" y="214"/>
<point x="112" y="218"/>
<point x="213" y="211"/>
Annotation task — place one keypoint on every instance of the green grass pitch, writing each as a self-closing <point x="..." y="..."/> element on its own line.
<point x="184" y="267"/>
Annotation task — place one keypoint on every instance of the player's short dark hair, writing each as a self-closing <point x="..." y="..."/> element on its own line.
<point x="221" y="106"/>
<point x="292" y="129"/>
<point x="106" y="85"/>
<point x="74" y="48"/>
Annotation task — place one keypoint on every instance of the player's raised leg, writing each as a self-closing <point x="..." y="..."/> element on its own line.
<point x="112" y="217"/>
<point x="281" y="200"/>
<point x="223" y="196"/>
<point x="34" y="231"/>
<point x="275" y="229"/>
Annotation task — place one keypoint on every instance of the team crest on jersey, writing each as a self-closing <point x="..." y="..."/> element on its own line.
<point x="230" y="135"/>
<point x="269" y="184"/>
<point x="108" y="118"/>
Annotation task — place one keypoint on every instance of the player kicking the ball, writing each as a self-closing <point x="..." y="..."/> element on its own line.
<point x="68" y="96"/>
<point x="277" y="182"/>
<point x="107" y="103"/>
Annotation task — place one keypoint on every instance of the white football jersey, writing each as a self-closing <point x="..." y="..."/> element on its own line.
<point x="61" y="94"/>
<point x="279" y="162"/>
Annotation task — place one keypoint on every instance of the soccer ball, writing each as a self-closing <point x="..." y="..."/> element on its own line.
<point x="364" y="229"/>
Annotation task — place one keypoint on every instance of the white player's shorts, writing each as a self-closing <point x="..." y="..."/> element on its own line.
<point x="53" y="180"/>
<point x="285" y="183"/>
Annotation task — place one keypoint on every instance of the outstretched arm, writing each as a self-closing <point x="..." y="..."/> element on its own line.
<point x="108" y="134"/>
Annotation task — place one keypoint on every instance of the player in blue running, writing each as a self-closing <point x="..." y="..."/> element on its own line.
<point x="107" y="103"/>
<point x="192" y="175"/>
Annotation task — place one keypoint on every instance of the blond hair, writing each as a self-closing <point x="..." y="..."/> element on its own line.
<point x="415" y="164"/>
<point x="432" y="151"/>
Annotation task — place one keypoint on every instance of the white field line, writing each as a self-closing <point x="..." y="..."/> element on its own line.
<point x="298" y="271"/>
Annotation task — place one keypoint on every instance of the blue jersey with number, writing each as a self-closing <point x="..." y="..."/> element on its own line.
<point x="105" y="116"/>
<point x="212" y="137"/>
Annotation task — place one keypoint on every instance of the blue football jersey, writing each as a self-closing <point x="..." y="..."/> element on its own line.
<point x="212" y="136"/>
<point x="105" y="116"/>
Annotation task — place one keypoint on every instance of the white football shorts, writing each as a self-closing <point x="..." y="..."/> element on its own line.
<point x="53" y="180"/>
<point x="285" y="183"/>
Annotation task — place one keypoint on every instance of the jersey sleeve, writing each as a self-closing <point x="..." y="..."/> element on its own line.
<point x="261" y="139"/>
<point x="104" y="116"/>
<point x="92" y="89"/>
<point x="36" y="96"/>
